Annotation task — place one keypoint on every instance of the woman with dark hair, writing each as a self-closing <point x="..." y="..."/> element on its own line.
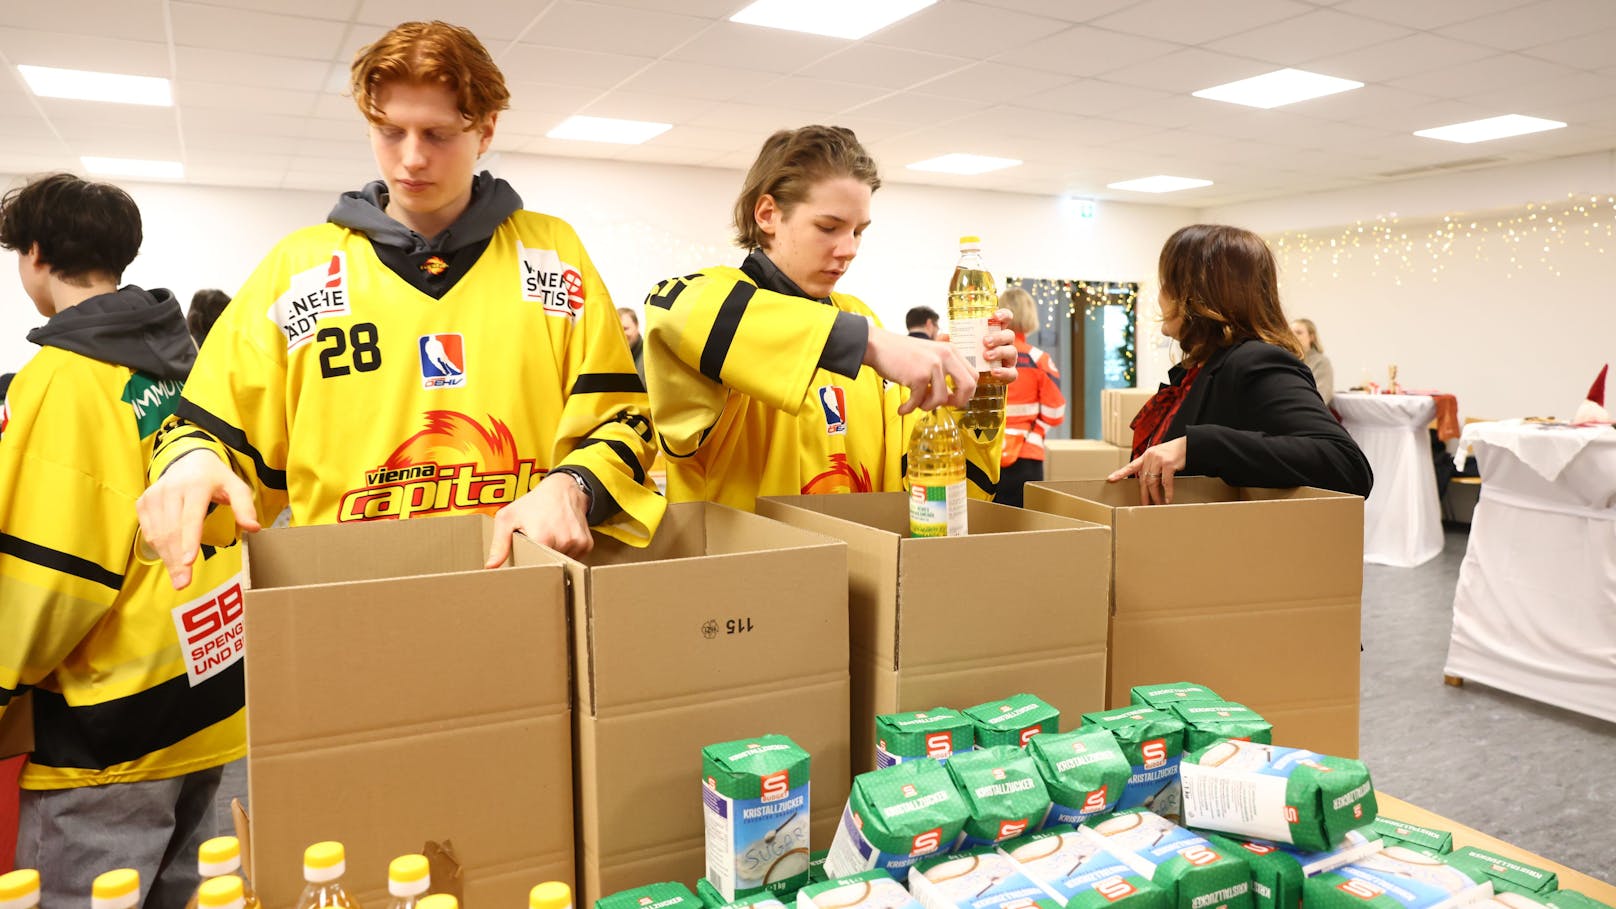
<point x="1240" y="405"/>
<point x="205" y="308"/>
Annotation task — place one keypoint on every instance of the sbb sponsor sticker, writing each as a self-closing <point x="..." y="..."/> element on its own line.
<point x="211" y="631"/>
<point x="556" y="285"/>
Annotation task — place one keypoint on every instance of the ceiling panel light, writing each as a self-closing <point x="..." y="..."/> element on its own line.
<point x="134" y="167"/>
<point x="852" y="19"/>
<point x="1160" y="183"/>
<point x="1278" y="88"/>
<point x="1490" y="128"/>
<point x="608" y="129"/>
<point x="964" y="164"/>
<point x="82" y="85"/>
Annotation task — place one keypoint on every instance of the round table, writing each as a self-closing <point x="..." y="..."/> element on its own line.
<point x="1403" y="516"/>
<point x="1534" y="612"/>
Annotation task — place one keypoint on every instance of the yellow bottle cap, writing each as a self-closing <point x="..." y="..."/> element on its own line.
<point x="438" y="901"/>
<point x="115" y="884"/>
<point x="19" y="886"/>
<point x="220" y="855"/>
<point x="408" y="875"/>
<point x="970" y="241"/>
<point x="221" y="893"/>
<point x="550" y="895"/>
<point x="324" y="862"/>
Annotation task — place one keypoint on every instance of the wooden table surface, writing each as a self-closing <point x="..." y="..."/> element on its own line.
<point x="1599" y="889"/>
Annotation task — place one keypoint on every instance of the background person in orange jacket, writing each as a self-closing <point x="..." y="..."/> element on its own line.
<point x="1034" y="404"/>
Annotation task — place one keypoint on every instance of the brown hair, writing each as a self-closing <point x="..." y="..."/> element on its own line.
<point x="84" y="230"/>
<point x="1223" y="282"/>
<point x="1023" y="312"/>
<point x="427" y="53"/>
<point x="787" y="167"/>
<point x="1312" y="332"/>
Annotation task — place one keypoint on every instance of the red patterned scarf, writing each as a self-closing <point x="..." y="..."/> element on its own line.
<point x="1157" y="414"/>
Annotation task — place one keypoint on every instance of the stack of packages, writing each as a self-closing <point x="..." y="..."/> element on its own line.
<point x="1179" y="801"/>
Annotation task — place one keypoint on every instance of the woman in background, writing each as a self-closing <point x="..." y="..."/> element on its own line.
<point x="1240" y="405"/>
<point x="1033" y="406"/>
<point x="1307" y="335"/>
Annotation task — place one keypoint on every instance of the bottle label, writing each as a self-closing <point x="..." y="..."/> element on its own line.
<point x="969" y="337"/>
<point x="937" y="511"/>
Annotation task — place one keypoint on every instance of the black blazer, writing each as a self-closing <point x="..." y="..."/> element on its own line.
<point x="1254" y="418"/>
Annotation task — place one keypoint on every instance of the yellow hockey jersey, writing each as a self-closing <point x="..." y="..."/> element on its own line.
<point x="336" y="386"/>
<point x="744" y="407"/>
<point x="130" y="680"/>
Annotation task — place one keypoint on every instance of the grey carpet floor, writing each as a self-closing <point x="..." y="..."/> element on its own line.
<point x="1537" y="776"/>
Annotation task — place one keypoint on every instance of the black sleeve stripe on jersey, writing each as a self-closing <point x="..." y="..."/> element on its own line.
<point x="57" y="560"/>
<point x="636" y="423"/>
<point x="700" y="441"/>
<point x="235" y="439"/>
<point x="624" y="453"/>
<point x="97" y="736"/>
<point x="603" y="505"/>
<point x="669" y="290"/>
<point x="722" y="336"/>
<point x="595" y="383"/>
<point x="979" y="478"/>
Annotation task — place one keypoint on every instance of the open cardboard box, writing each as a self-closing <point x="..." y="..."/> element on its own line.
<point x="1018" y="605"/>
<point x="1255" y="593"/>
<point x="399" y="695"/>
<point x="727" y="626"/>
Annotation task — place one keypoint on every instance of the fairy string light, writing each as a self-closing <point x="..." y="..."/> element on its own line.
<point x="1530" y="237"/>
<point x="1085" y="299"/>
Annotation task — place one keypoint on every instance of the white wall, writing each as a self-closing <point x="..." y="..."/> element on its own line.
<point x="643" y="223"/>
<point x="1509" y="339"/>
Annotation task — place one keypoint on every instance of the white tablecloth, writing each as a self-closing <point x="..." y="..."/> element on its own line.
<point x="1402" y="517"/>
<point x="1535" y="609"/>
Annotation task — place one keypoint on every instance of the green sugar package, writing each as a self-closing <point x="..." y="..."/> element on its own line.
<point x="939" y="733"/>
<point x="895" y="817"/>
<point x="1205" y="722"/>
<point x="874" y="889"/>
<point x="1164" y="696"/>
<point x="1278" y="870"/>
<point x="1004" y="792"/>
<point x="1012" y="721"/>
<point x="667" y="895"/>
<point x="1195" y="873"/>
<point x="982" y="878"/>
<point x="1395" y="878"/>
<point x="1086" y="773"/>
<point x="1282" y="795"/>
<point x="1081" y="874"/>
<point x="1153" y="741"/>
<point x="755" y="799"/>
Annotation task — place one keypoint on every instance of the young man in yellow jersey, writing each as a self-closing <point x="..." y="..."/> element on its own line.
<point x="431" y="349"/>
<point x="136" y="688"/>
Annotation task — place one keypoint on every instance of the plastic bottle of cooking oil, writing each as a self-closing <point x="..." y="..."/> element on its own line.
<point x="226" y="891"/>
<point x="19" y="889"/>
<point x="324" y="864"/>
<point x="218" y="857"/>
<point x="937" y="477"/>
<point x="972" y="300"/>
<point x="550" y="895"/>
<point x="118" y="889"/>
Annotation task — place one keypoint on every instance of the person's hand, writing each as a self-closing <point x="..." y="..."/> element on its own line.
<point x="554" y="514"/>
<point x="1001" y="347"/>
<point x="921" y="366"/>
<point x="1155" y="469"/>
<point x="171" y="512"/>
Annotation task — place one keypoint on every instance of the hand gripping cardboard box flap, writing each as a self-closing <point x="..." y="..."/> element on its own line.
<point x="1254" y="593"/>
<point x="398" y="694"/>
<point x="921" y="635"/>
<point x="728" y="625"/>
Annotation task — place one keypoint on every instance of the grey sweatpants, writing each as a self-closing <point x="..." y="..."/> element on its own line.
<point x="154" y="827"/>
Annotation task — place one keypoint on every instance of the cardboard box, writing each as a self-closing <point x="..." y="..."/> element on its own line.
<point x="1118" y="407"/>
<point x="1019" y="605"/>
<point x="399" y="694"/>
<point x="729" y="625"/>
<point x="1254" y="593"/>
<point x="1082" y="459"/>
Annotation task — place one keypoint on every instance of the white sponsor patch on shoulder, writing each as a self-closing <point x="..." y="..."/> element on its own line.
<point x="211" y="630"/>
<point x="319" y="291"/>
<point x="547" y="280"/>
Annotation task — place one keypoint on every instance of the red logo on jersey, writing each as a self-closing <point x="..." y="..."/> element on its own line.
<point x="841" y="477"/>
<point x="453" y="464"/>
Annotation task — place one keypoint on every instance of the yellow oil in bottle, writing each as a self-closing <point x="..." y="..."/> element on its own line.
<point x="973" y="298"/>
<point x="937" y="477"/>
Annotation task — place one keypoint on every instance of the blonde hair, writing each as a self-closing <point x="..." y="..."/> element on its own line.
<point x="1023" y="311"/>
<point x="1312" y="332"/>
<point x="430" y="53"/>
<point x="787" y="167"/>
